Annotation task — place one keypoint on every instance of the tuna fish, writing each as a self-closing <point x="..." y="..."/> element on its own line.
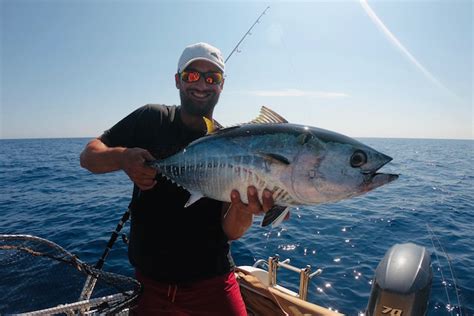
<point x="301" y="165"/>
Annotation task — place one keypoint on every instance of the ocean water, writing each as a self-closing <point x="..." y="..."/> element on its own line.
<point x="44" y="192"/>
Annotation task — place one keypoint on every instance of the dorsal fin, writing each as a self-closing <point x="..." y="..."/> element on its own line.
<point x="268" y="116"/>
<point x="217" y="125"/>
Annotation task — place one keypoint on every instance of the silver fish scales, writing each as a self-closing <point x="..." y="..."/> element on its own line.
<point x="301" y="165"/>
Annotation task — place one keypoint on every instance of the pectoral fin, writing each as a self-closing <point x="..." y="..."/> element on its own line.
<point x="195" y="196"/>
<point x="275" y="216"/>
<point x="272" y="157"/>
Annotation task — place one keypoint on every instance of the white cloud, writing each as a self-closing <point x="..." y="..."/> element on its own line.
<point x="297" y="93"/>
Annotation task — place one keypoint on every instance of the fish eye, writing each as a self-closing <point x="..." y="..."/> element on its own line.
<point x="358" y="158"/>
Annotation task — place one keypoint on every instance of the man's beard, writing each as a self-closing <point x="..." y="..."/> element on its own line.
<point x="198" y="108"/>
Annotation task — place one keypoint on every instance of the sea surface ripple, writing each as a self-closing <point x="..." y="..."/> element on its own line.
<point x="44" y="192"/>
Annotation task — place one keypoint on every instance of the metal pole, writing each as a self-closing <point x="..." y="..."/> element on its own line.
<point x="304" y="278"/>
<point x="272" y="267"/>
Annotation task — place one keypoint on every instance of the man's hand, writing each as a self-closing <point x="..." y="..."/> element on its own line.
<point x="253" y="207"/>
<point x="97" y="157"/>
<point x="133" y="163"/>
<point x="239" y="216"/>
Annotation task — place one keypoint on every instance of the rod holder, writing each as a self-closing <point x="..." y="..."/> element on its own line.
<point x="305" y="274"/>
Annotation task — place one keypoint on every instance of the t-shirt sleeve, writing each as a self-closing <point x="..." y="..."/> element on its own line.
<point x="124" y="133"/>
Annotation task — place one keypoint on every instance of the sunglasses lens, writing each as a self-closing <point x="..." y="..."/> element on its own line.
<point x="209" y="77"/>
<point x="213" y="78"/>
<point x="191" y="76"/>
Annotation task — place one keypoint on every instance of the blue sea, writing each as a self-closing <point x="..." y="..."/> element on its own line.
<point x="44" y="192"/>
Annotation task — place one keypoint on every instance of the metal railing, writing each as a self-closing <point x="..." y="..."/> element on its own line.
<point x="305" y="274"/>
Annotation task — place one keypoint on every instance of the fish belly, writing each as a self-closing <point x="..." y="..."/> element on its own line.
<point x="216" y="176"/>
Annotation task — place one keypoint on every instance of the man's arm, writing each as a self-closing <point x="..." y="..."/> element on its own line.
<point x="97" y="157"/>
<point x="239" y="216"/>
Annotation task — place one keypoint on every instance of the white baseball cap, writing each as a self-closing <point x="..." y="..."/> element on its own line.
<point x="201" y="51"/>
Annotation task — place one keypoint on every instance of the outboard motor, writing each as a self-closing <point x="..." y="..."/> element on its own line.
<point x="402" y="282"/>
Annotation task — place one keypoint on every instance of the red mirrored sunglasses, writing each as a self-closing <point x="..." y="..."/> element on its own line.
<point x="211" y="77"/>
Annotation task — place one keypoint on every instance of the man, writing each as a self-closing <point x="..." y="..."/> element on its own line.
<point x="181" y="255"/>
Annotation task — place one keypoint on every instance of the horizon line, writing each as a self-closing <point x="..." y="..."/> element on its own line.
<point x="377" y="137"/>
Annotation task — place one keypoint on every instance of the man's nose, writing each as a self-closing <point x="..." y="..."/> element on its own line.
<point x="201" y="83"/>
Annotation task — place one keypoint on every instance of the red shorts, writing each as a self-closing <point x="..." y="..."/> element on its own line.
<point x="216" y="296"/>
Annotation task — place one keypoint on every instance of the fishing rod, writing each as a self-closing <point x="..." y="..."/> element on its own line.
<point x="246" y="34"/>
<point x="91" y="281"/>
<point x="453" y="276"/>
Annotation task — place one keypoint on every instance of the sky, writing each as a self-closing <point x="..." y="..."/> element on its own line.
<point x="401" y="69"/>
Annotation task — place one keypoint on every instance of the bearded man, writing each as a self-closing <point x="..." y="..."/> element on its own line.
<point x="180" y="255"/>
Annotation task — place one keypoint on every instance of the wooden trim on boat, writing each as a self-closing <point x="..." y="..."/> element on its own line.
<point x="264" y="300"/>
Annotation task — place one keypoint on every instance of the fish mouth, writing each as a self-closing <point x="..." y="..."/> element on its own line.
<point x="374" y="179"/>
<point x="377" y="179"/>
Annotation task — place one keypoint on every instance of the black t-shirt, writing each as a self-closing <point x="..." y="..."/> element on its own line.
<point x="170" y="243"/>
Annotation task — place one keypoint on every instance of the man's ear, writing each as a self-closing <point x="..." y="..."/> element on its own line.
<point x="222" y="84"/>
<point x="177" y="81"/>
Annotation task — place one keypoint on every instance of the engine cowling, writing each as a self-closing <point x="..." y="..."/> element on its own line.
<point x="402" y="282"/>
